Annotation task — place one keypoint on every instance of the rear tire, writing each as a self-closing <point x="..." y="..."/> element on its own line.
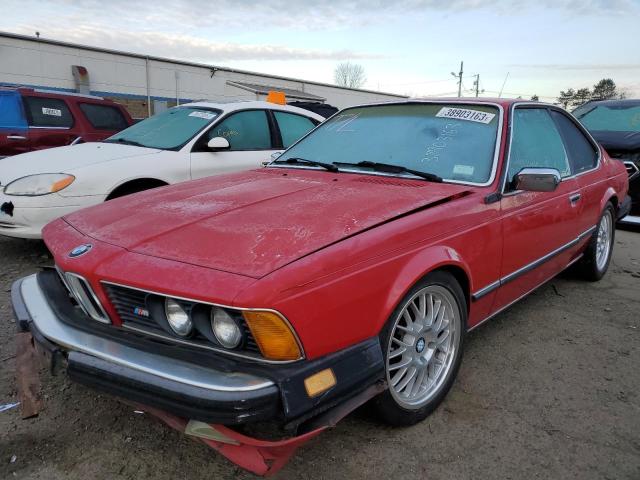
<point x="597" y="255"/>
<point x="422" y="345"/>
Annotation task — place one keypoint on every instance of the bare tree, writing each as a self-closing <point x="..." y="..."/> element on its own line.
<point x="349" y="75"/>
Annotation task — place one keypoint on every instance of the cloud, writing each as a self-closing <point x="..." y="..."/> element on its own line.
<point x="186" y="46"/>
<point x="260" y="15"/>
<point x="581" y="67"/>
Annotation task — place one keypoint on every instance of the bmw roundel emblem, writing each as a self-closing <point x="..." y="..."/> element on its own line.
<point x="80" y="250"/>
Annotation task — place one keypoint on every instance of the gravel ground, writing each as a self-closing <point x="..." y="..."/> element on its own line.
<point x="548" y="389"/>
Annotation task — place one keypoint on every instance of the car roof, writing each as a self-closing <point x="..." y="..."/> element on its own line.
<point x="626" y="102"/>
<point x="251" y="104"/>
<point x="49" y="93"/>
<point x="503" y="102"/>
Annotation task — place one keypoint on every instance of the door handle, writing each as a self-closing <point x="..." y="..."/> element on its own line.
<point x="573" y="199"/>
<point x="16" y="137"/>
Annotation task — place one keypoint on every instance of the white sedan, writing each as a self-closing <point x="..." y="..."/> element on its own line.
<point x="186" y="142"/>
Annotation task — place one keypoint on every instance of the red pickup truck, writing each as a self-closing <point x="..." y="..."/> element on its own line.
<point x="32" y="119"/>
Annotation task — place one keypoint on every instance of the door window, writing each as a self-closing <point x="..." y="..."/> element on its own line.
<point x="536" y="143"/>
<point x="292" y="127"/>
<point x="47" y="112"/>
<point x="582" y="154"/>
<point x="104" y="117"/>
<point x="248" y="130"/>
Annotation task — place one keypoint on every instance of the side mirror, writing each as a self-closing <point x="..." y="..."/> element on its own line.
<point x="537" y="179"/>
<point x="218" y="143"/>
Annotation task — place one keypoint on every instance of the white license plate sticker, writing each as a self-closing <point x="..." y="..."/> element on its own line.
<point x="205" y="115"/>
<point x="465" y="170"/>
<point x="466" y="114"/>
<point x="54" y="112"/>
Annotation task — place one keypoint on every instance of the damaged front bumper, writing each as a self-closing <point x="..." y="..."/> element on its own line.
<point x="211" y="389"/>
<point x="185" y="389"/>
<point x="202" y="402"/>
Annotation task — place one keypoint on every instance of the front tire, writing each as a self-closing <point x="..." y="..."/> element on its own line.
<point x="597" y="255"/>
<point x="422" y="344"/>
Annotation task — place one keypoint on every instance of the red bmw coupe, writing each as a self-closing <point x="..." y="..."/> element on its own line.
<point x="361" y="256"/>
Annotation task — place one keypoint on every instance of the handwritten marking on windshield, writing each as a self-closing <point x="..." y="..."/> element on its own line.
<point x="341" y="122"/>
<point x="446" y="133"/>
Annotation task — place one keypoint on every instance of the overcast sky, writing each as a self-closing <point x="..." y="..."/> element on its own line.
<point x="405" y="46"/>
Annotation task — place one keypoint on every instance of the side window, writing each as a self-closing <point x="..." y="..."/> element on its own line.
<point x="247" y="130"/>
<point x="292" y="127"/>
<point x="582" y="154"/>
<point x="104" y="117"/>
<point x="536" y="143"/>
<point x="47" y="112"/>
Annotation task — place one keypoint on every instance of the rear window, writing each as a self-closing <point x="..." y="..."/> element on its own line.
<point x="47" y="112"/>
<point x="292" y="127"/>
<point x="104" y="117"/>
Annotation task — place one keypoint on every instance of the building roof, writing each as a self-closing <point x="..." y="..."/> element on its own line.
<point x="213" y="68"/>
<point x="265" y="89"/>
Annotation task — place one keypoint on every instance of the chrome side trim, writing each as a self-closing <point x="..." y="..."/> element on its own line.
<point x="531" y="266"/>
<point x="72" y="339"/>
<point x="482" y="322"/>
<point x="295" y="334"/>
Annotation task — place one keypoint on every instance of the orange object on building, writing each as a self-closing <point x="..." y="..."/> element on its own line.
<point x="276" y="97"/>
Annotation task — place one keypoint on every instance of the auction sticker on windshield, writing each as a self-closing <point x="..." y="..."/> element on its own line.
<point x="466" y="114"/>
<point x="205" y="115"/>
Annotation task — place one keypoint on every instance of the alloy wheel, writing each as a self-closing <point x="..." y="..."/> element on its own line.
<point x="423" y="344"/>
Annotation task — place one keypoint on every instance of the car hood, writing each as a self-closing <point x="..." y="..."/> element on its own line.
<point x="253" y="223"/>
<point x="65" y="159"/>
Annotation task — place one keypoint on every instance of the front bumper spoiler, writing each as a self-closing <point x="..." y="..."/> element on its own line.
<point x="183" y="388"/>
<point x="623" y="212"/>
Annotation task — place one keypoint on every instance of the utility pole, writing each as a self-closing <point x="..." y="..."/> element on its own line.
<point x="459" y="77"/>
<point x="477" y="82"/>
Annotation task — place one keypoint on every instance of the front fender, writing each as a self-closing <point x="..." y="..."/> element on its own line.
<point x="418" y="266"/>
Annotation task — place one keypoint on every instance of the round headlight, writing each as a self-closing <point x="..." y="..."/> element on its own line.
<point x="178" y="318"/>
<point x="225" y="328"/>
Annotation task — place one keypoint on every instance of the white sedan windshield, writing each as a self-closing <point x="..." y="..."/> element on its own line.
<point x="168" y="130"/>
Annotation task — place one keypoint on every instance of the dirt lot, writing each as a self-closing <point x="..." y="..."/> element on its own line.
<point x="549" y="389"/>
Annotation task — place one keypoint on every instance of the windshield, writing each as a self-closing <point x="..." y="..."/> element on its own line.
<point x="610" y="118"/>
<point x="455" y="142"/>
<point x="168" y="130"/>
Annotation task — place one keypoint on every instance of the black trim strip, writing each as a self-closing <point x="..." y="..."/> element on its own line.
<point x="531" y="266"/>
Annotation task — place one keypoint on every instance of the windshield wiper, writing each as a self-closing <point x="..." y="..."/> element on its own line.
<point x="329" y="166"/>
<point x="391" y="168"/>
<point x="125" y="142"/>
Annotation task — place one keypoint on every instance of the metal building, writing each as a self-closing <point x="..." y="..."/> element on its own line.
<point x="148" y="84"/>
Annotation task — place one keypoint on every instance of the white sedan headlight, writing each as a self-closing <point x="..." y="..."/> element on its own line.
<point x="39" y="184"/>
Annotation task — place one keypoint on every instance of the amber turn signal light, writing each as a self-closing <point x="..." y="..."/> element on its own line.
<point x="61" y="184"/>
<point x="273" y="335"/>
<point x="319" y="382"/>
